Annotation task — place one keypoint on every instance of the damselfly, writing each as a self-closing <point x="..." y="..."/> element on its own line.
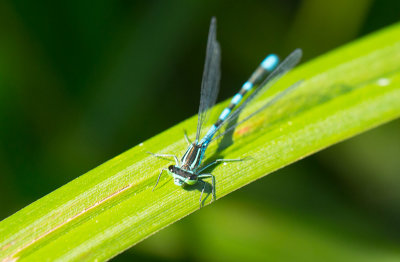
<point x="189" y="171"/>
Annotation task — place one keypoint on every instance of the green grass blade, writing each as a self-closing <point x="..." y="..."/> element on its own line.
<point x="112" y="207"/>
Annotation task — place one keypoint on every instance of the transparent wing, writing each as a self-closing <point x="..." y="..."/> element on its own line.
<point x="280" y="71"/>
<point x="211" y="77"/>
<point x="268" y="104"/>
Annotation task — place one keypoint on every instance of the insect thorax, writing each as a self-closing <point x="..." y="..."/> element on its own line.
<point x="193" y="156"/>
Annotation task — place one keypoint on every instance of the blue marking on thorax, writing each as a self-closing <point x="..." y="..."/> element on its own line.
<point x="202" y="152"/>
<point x="270" y="62"/>
<point x="236" y="99"/>
<point x="247" y="86"/>
<point x="196" y="162"/>
<point x="225" y="113"/>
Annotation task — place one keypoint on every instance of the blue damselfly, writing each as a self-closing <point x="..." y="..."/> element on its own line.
<point x="188" y="171"/>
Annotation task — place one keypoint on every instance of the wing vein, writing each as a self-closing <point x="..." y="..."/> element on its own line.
<point x="211" y="77"/>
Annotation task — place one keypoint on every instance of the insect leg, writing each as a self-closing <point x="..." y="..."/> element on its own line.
<point x="158" y="179"/>
<point x="165" y="155"/>
<point x="187" y="138"/>
<point x="212" y="183"/>
<point x="220" y="160"/>
<point x="202" y="191"/>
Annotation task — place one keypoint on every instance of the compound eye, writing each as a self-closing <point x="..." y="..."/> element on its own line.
<point x="171" y="168"/>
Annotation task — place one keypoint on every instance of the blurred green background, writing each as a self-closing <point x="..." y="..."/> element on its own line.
<point x="82" y="81"/>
